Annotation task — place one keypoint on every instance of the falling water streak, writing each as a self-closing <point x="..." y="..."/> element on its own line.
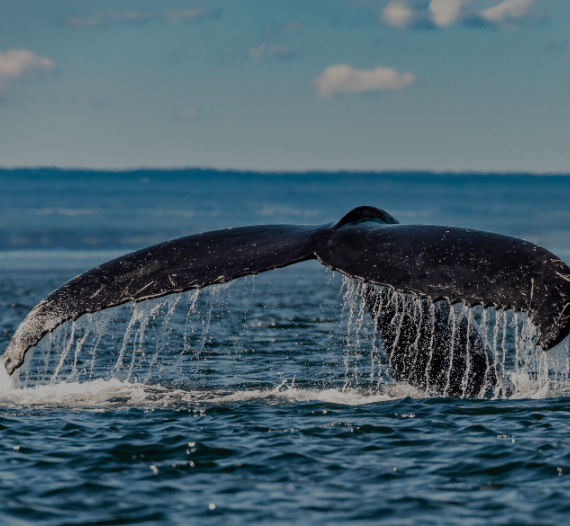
<point x="418" y="320"/>
<point x="528" y="359"/>
<point x="126" y="338"/>
<point x="209" y="307"/>
<point x="499" y="365"/>
<point x="79" y="346"/>
<point x="495" y="326"/>
<point x="491" y="370"/>
<point x="381" y="295"/>
<point x="348" y="305"/>
<point x="47" y="354"/>
<point x="171" y="301"/>
<point x="189" y="312"/>
<point x="397" y="320"/>
<point x="453" y="319"/>
<point x="504" y="338"/>
<point x="432" y="340"/>
<point x="100" y="328"/>
<point x="560" y="362"/>
<point x="465" y="379"/>
<point x="501" y="350"/>
<point x="143" y="319"/>
<point x="563" y="360"/>
<point x="374" y="352"/>
<point x="356" y="327"/>
<point x="25" y="369"/>
<point x="484" y="326"/>
<point x="386" y="299"/>
<point x="518" y="342"/>
<point x="214" y="291"/>
<point x="65" y="352"/>
<point x="380" y="304"/>
<point x="504" y="328"/>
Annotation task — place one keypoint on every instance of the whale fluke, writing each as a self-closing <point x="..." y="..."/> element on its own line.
<point x="432" y="262"/>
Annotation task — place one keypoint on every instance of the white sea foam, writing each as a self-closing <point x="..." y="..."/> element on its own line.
<point x="105" y="394"/>
<point x="6" y="381"/>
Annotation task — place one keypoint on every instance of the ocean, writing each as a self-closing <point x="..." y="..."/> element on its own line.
<point x="267" y="400"/>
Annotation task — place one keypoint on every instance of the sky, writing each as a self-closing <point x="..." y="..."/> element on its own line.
<point x="440" y="85"/>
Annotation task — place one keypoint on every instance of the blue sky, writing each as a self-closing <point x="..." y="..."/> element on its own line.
<point x="478" y="85"/>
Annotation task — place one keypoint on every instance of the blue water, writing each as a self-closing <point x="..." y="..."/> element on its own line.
<point x="268" y="400"/>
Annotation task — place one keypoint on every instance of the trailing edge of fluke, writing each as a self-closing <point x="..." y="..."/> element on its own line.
<point x="434" y="262"/>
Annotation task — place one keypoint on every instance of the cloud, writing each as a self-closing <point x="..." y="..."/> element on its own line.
<point x="398" y="13"/>
<point x="290" y="27"/>
<point x="444" y="13"/>
<point x="271" y="50"/>
<point x="184" y="115"/>
<point x="273" y="43"/>
<point x="343" y="79"/>
<point x="21" y="64"/>
<point x="84" y="101"/>
<point x="104" y="18"/>
<point x="271" y="30"/>
<point x="107" y="18"/>
<point x="189" y="15"/>
<point x="510" y="12"/>
<point x="560" y="47"/>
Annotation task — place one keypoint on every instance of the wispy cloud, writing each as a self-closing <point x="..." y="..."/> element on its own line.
<point x="398" y="13"/>
<point x="510" y="12"/>
<point x="188" y="15"/>
<point x="22" y="64"/>
<point x="342" y="79"/>
<point x="444" y="13"/>
<point x="272" y="30"/>
<point x="184" y="115"/>
<point x="274" y="43"/>
<point x="84" y="101"/>
<point x="271" y="50"/>
<point x="290" y="27"/>
<point x="107" y="18"/>
<point x="560" y="47"/>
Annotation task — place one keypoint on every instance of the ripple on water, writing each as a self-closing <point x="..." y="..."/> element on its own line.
<point x="269" y="417"/>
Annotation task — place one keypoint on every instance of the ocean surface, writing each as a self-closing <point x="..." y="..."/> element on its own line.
<point x="267" y="400"/>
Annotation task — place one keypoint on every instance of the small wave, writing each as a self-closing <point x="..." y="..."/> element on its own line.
<point x="66" y="212"/>
<point x="269" y="210"/>
<point x="106" y="394"/>
<point x="102" y="394"/>
<point x="59" y="258"/>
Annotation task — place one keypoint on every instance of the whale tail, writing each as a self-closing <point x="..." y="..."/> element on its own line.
<point x="431" y="262"/>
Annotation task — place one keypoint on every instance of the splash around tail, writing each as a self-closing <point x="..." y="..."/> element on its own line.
<point x="6" y="380"/>
<point x="429" y="262"/>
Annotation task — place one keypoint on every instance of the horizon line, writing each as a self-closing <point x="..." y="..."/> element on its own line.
<point x="257" y="171"/>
